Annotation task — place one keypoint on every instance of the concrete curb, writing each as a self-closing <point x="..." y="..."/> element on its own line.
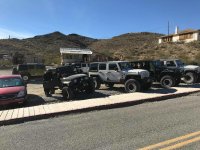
<point x="88" y="109"/>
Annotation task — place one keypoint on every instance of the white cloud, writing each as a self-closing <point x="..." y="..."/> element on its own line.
<point x="5" y="33"/>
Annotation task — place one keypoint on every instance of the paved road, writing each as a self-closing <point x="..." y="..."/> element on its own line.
<point x="123" y="128"/>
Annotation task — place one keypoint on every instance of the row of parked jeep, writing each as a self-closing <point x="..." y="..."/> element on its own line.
<point x="135" y="76"/>
<point x="81" y="77"/>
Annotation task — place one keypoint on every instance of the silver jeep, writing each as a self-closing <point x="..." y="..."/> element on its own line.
<point x="120" y="72"/>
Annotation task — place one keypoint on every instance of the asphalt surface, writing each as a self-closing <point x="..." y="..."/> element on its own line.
<point x="122" y="128"/>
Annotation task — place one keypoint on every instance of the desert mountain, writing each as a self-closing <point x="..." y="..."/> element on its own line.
<point x="130" y="46"/>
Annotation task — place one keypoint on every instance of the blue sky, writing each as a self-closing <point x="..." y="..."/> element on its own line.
<point x="95" y="18"/>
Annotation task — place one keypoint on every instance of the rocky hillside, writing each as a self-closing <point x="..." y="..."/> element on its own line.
<point x="138" y="46"/>
<point x="130" y="46"/>
<point x="46" y="46"/>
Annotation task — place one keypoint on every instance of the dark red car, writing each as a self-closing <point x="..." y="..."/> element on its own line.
<point x="12" y="89"/>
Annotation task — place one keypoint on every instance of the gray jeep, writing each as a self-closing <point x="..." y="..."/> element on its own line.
<point x="190" y="73"/>
<point x="120" y="72"/>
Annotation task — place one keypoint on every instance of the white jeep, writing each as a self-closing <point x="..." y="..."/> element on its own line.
<point x="120" y="72"/>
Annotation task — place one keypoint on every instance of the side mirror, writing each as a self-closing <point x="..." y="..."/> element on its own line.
<point x="14" y="71"/>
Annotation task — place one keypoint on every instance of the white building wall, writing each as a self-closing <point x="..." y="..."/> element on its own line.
<point x="160" y="41"/>
<point x="175" y="38"/>
<point x="196" y="36"/>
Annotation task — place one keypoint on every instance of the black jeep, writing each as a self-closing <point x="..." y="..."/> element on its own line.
<point x="165" y="76"/>
<point x="190" y="73"/>
<point x="69" y="80"/>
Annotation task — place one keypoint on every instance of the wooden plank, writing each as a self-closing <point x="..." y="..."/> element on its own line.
<point x="9" y="114"/>
<point x="48" y="109"/>
<point x="26" y="112"/>
<point x="54" y="108"/>
<point x="41" y="109"/>
<point x="20" y="113"/>
<point x="15" y="113"/>
<point x="3" y="115"/>
<point x="36" y="110"/>
<point x="31" y="111"/>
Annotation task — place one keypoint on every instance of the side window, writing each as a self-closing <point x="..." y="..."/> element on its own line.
<point x="102" y="66"/>
<point x="113" y="66"/>
<point x="40" y="66"/>
<point x="83" y="65"/>
<point x="31" y="66"/>
<point x="22" y="68"/>
<point x="94" y="67"/>
<point x="170" y="64"/>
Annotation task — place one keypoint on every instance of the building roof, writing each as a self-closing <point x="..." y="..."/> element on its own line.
<point x="182" y="32"/>
<point x="75" y="51"/>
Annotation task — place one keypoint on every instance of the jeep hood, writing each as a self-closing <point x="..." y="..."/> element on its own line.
<point x="136" y="71"/>
<point x="142" y="72"/>
<point x="193" y="67"/>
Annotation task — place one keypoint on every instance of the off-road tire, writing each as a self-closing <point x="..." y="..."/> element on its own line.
<point x="167" y="81"/>
<point x="67" y="93"/>
<point x="132" y="85"/>
<point x="190" y="78"/>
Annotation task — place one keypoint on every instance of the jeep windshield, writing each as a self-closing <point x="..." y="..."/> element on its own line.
<point x="125" y="66"/>
<point x="157" y="63"/>
<point x="10" y="82"/>
<point x="179" y="63"/>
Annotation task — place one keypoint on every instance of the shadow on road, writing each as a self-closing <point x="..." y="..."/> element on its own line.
<point x="96" y="94"/>
<point x="32" y="100"/>
<point x="161" y="91"/>
<point x="190" y="85"/>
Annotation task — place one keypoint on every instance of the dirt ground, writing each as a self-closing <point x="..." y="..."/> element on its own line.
<point x="36" y="94"/>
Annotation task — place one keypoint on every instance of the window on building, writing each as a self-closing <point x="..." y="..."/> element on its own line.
<point x="186" y="36"/>
<point x="167" y="39"/>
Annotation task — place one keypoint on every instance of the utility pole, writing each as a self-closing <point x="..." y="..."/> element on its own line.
<point x="168" y="27"/>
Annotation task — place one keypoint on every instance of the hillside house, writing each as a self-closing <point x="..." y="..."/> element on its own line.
<point x="185" y="36"/>
<point x="72" y="55"/>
